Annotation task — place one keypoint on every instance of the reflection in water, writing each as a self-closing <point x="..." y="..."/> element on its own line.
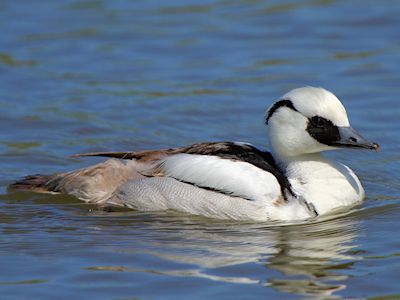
<point x="308" y="257"/>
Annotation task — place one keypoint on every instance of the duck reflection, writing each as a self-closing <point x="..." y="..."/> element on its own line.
<point x="311" y="257"/>
<point x="306" y="259"/>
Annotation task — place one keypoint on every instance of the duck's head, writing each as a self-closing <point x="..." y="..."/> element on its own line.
<point x="309" y="120"/>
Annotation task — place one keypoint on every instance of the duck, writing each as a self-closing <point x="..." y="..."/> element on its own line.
<point x="293" y="181"/>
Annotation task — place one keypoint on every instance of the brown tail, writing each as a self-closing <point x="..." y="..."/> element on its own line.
<point x="37" y="183"/>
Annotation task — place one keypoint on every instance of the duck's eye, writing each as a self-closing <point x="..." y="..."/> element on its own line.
<point x="319" y="121"/>
<point x="323" y="130"/>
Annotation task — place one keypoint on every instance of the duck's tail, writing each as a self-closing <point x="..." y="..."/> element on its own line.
<point x="35" y="183"/>
<point x="93" y="184"/>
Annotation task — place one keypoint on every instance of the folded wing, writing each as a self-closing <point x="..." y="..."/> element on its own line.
<point x="232" y="168"/>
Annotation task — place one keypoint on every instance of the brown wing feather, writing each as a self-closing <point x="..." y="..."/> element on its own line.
<point x="148" y="155"/>
<point x="215" y="148"/>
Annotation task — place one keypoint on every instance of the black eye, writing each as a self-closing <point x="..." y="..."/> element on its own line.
<point x="323" y="130"/>
<point x="318" y="121"/>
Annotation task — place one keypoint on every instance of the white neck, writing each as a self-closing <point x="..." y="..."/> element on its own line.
<point x="326" y="184"/>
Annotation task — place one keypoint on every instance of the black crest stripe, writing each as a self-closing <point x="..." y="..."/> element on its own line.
<point x="277" y="105"/>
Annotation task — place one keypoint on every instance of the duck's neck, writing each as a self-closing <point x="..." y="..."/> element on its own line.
<point x="325" y="184"/>
<point x="285" y="161"/>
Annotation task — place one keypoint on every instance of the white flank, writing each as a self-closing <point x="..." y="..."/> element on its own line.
<point x="234" y="177"/>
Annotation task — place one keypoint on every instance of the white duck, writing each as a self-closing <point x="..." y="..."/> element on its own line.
<point x="229" y="180"/>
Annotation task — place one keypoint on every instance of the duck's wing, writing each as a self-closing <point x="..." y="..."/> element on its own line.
<point x="237" y="169"/>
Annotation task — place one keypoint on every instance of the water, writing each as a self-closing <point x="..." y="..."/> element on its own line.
<point x="94" y="75"/>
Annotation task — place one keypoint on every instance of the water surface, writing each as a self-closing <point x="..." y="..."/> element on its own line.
<point x="95" y="75"/>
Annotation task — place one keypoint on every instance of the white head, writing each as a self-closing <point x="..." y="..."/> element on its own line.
<point x="309" y="120"/>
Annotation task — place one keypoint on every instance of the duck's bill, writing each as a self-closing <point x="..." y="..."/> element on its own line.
<point x="350" y="138"/>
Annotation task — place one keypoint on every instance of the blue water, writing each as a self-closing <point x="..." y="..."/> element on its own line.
<point x="94" y="75"/>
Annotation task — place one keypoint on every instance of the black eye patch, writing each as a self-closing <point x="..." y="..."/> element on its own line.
<point x="323" y="130"/>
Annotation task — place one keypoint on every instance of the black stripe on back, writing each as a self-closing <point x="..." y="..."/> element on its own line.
<point x="245" y="153"/>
